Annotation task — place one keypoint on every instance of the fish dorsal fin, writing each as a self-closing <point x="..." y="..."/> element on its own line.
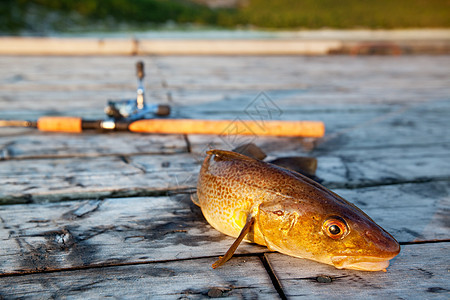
<point x="194" y="198"/>
<point x="300" y="164"/>
<point x="223" y="155"/>
<point x="250" y="150"/>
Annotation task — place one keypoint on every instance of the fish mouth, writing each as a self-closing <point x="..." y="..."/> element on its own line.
<point x="361" y="263"/>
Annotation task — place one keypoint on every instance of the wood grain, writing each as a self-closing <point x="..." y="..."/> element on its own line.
<point x="133" y="175"/>
<point x="70" y="234"/>
<point x="133" y="231"/>
<point x="39" y="237"/>
<point x="32" y="144"/>
<point x="416" y="273"/>
<point x="94" y="177"/>
<point x="86" y="83"/>
<point x="184" y="279"/>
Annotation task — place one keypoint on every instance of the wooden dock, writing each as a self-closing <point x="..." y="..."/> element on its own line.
<point x="97" y="215"/>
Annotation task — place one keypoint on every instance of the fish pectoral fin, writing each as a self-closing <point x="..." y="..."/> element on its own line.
<point x="194" y="198"/>
<point x="230" y="252"/>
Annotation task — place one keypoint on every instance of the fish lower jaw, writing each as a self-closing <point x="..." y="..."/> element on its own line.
<point x="360" y="263"/>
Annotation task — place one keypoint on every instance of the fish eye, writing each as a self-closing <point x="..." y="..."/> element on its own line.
<point x="335" y="227"/>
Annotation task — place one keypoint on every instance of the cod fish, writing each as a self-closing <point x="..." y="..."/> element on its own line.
<point x="262" y="203"/>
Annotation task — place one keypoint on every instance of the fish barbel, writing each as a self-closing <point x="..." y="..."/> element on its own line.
<point x="265" y="204"/>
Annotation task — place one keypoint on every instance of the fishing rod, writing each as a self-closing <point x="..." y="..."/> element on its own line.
<point x="136" y="115"/>
<point x="174" y="126"/>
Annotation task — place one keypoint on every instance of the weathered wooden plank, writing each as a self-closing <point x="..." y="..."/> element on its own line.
<point x="386" y="116"/>
<point x="418" y="125"/>
<point x="386" y="203"/>
<point x="351" y="127"/>
<point x="24" y="181"/>
<point x="66" y="46"/>
<point x="38" y="237"/>
<point x="407" y="144"/>
<point x="104" y="232"/>
<point x="35" y="144"/>
<point x="344" y="107"/>
<point x="316" y="43"/>
<point x="45" y="72"/>
<point x="185" y="279"/>
<point x="99" y="172"/>
<point x="87" y="82"/>
<point x="347" y="132"/>
<point x="84" y="84"/>
<point x="348" y="167"/>
<point x="238" y="47"/>
<point x="419" y="272"/>
<point x="391" y="166"/>
<point x="347" y="74"/>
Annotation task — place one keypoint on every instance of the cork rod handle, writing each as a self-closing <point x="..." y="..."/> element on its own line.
<point x="230" y="127"/>
<point x="61" y="124"/>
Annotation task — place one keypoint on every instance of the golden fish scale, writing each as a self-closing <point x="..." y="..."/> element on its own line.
<point x="229" y="189"/>
<point x="288" y="210"/>
<point x="226" y="201"/>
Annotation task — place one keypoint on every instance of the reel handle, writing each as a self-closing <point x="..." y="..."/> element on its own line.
<point x="140" y="70"/>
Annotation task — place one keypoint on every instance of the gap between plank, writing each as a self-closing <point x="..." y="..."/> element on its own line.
<point x="356" y="186"/>
<point x="261" y="256"/>
<point x="129" y="162"/>
<point x="425" y="242"/>
<point x="111" y="265"/>
<point x="99" y="266"/>
<point x="91" y="155"/>
<point x="188" y="143"/>
<point x="28" y="198"/>
<point x="273" y="277"/>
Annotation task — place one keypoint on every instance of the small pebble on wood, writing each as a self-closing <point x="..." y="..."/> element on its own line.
<point x="324" y="279"/>
<point x="217" y="292"/>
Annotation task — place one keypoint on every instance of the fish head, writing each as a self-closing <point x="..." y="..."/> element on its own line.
<point x="331" y="231"/>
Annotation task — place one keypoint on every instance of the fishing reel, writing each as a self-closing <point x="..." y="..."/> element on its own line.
<point x="135" y="109"/>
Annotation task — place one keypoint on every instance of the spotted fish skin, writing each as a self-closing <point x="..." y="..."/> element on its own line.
<point x="290" y="213"/>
